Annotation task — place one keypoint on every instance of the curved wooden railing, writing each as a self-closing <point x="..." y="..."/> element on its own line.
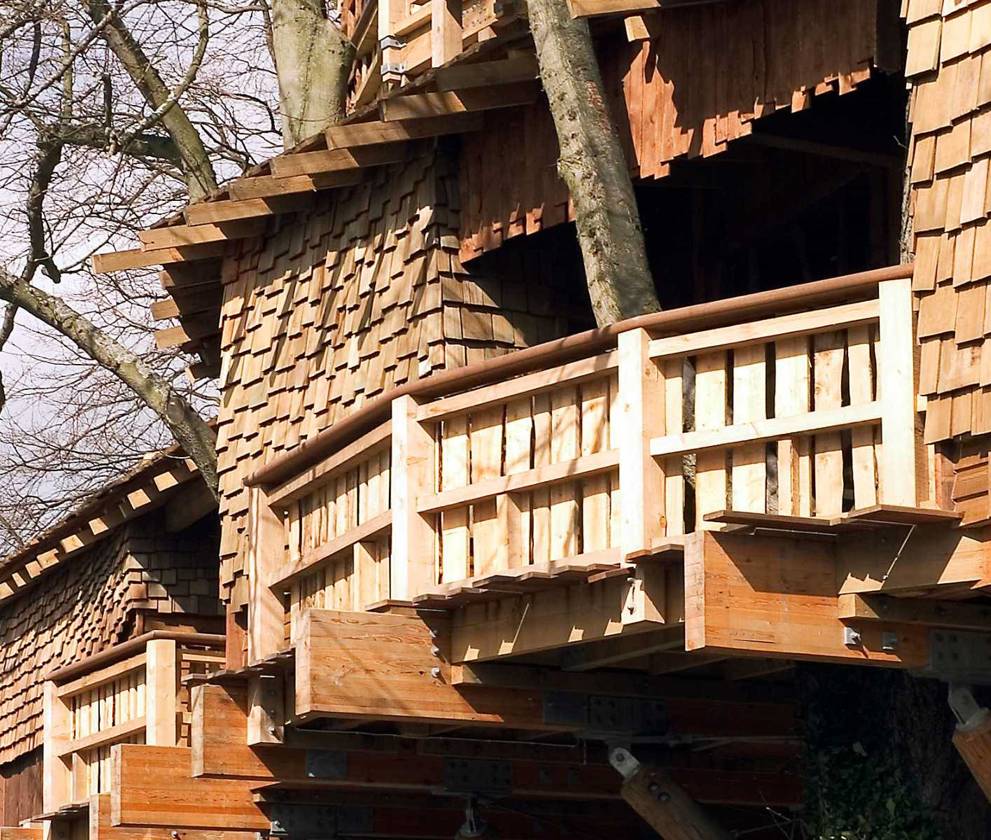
<point x="798" y="402"/>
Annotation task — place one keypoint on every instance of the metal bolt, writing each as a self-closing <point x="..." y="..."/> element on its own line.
<point x="434" y="650"/>
<point x="435" y="672"/>
<point x="851" y="637"/>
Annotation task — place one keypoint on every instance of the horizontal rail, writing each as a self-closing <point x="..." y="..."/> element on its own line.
<point x="761" y="431"/>
<point x="341" y="461"/>
<point x="101" y="677"/>
<point x="760" y="332"/>
<point x="706" y="315"/>
<point x="110" y="735"/>
<point x="131" y="646"/>
<point x="572" y="373"/>
<point x="576" y="468"/>
<point x="290" y="573"/>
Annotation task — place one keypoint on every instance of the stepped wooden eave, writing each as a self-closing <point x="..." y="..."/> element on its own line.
<point x="154" y="482"/>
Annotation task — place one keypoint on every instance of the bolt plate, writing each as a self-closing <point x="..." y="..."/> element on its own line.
<point x="478" y="776"/>
<point x="960" y="656"/>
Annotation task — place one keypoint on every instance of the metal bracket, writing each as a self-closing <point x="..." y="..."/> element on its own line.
<point x="318" y="822"/>
<point x="959" y="657"/>
<point x="966" y="709"/>
<point x="391" y="42"/>
<point x="471" y="775"/>
<point x="602" y="713"/>
<point x="326" y="764"/>
<point x="623" y="762"/>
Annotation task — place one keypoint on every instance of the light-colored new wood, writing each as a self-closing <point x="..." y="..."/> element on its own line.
<point x="413" y="561"/>
<point x="416" y="105"/>
<point x="376" y="132"/>
<point x="445" y="31"/>
<point x="792" y="398"/>
<point x="896" y="382"/>
<point x="768" y="329"/>
<point x="777" y="597"/>
<point x="749" y="406"/>
<point x="641" y="418"/>
<point x="829" y="350"/>
<point x="337" y="160"/>
<point x="930" y="612"/>
<point x="162" y="689"/>
<point x="847" y="417"/>
<point x="710" y="424"/>
<point x="266" y="613"/>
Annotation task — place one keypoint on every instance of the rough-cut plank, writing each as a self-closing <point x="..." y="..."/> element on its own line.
<point x="749" y="398"/>
<point x="488" y="538"/>
<point x="792" y="398"/>
<point x="564" y="447"/>
<point x="710" y="415"/>
<point x="862" y="438"/>
<point x="454" y="522"/>
<point x="381" y="131"/>
<point x="828" y="366"/>
<point x="595" y="490"/>
<point x="417" y="105"/>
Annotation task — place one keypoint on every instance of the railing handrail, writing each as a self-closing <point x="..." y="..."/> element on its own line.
<point x="125" y="649"/>
<point x="714" y="313"/>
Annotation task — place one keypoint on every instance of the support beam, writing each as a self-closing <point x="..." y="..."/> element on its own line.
<point x="376" y="132"/>
<point x="413" y="106"/>
<point x="777" y="597"/>
<point x="566" y="616"/>
<point x="931" y="613"/>
<point x="662" y="802"/>
<point x="153" y="787"/>
<point x="338" y="160"/>
<point x="161" y="691"/>
<point x="972" y="736"/>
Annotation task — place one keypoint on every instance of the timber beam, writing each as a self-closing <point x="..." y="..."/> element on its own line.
<point x="784" y="595"/>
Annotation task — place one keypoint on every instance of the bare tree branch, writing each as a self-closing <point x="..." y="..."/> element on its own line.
<point x="191" y="431"/>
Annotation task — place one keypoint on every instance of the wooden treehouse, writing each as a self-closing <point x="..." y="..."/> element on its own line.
<point x="470" y="549"/>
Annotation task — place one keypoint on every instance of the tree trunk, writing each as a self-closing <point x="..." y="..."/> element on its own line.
<point x="593" y="166"/>
<point x="313" y="61"/>
<point x="190" y="430"/>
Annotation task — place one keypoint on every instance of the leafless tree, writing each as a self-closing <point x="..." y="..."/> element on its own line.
<point x="113" y="114"/>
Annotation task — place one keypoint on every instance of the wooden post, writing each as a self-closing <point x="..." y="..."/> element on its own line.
<point x="896" y="383"/>
<point x="161" y="688"/>
<point x="413" y="563"/>
<point x="972" y="737"/>
<point x="662" y="803"/>
<point x="266" y="554"/>
<point x="57" y="775"/>
<point x="266" y="709"/>
<point x="641" y="417"/>
<point x="390" y="12"/>
<point x="445" y="30"/>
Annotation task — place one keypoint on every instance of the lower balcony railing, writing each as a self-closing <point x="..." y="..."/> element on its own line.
<point x="132" y="693"/>
<point x="797" y="402"/>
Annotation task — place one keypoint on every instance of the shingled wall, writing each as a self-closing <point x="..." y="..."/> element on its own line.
<point x="686" y="83"/>
<point x="362" y="293"/>
<point x="94" y="602"/>
<point x="949" y="65"/>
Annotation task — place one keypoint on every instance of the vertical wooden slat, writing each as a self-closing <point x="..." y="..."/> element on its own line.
<point x="488" y="541"/>
<point x="862" y="438"/>
<point x="413" y="567"/>
<point x="445" y="30"/>
<point x="896" y="383"/>
<point x="710" y="413"/>
<point x="364" y="580"/>
<point x="641" y="418"/>
<point x="564" y="447"/>
<point x="828" y="365"/>
<point x="749" y="396"/>
<point x="519" y="433"/>
<point x="454" y="523"/>
<point x="791" y="397"/>
<point x="595" y="489"/>
<point x="540" y="498"/>
<point x="674" y="478"/>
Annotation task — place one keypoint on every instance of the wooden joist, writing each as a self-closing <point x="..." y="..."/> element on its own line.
<point x="595" y="8"/>
<point x="137" y="258"/>
<point x="377" y="132"/>
<point x="213" y="212"/>
<point x="929" y="612"/>
<point x="516" y="68"/>
<point x="268" y="186"/>
<point x="416" y="105"/>
<point x="338" y="160"/>
<point x="178" y="236"/>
